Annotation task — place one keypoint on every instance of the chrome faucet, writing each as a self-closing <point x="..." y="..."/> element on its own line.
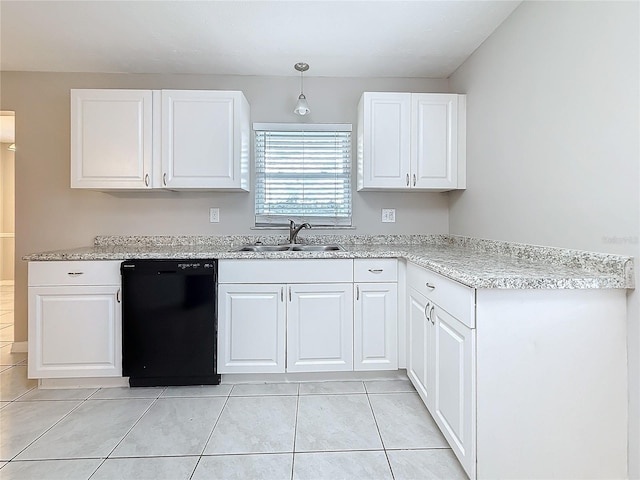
<point x="294" y="230"/>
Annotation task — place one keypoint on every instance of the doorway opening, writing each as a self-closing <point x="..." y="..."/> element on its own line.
<point x="7" y="224"/>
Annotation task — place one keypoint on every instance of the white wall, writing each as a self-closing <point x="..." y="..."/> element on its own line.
<point x="49" y="215"/>
<point x="553" y="141"/>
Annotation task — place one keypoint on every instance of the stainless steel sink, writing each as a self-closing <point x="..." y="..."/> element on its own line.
<point x="315" y="248"/>
<point x="264" y="248"/>
<point x="289" y="248"/>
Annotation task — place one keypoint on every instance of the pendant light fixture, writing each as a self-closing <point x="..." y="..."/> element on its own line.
<point x="302" y="107"/>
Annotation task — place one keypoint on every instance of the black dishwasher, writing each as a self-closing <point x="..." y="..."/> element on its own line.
<point x="169" y="322"/>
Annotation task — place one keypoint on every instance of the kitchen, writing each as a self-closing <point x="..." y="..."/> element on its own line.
<point x="550" y="122"/>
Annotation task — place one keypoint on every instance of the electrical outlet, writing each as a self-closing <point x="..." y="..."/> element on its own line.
<point x="388" y="215"/>
<point x="214" y="215"/>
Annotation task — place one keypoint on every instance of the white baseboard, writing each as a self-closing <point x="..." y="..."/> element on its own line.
<point x="234" y="378"/>
<point x="103" y="382"/>
<point x="19" y="347"/>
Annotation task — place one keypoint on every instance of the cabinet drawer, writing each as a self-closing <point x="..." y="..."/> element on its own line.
<point x="285" y="271"/>
<point x="96" y="272"/>
<point x="375" y="270"/>
<point x="453" y="297"/>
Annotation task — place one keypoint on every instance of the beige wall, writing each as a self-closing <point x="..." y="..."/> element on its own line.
<point x="49" y="215"/>
<point x="7" y="210"/>
<point x="553" y="141"/>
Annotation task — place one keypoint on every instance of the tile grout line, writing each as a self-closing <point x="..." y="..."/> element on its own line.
<point x="295" y="433"/>
<point x="215" y="424"/>
<point x="48" y="429"/>
<point x="155" y="400"/>
<point x="202" y="454"/>
<point x="97" y="468"/>
<point x="105" y="458"/>
<point x="384" y="448"/>
<point x="195" y="467"/>
<point x="23" y="393"/>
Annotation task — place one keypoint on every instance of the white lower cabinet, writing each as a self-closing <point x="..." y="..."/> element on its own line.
<point x="74" y="320"/>
<point x="320" y="328"/>
<point x="251" y="328"/>
<point x="255" y="319"/>
<point x="442" y="358"/>
<point x="375" y="326"/>
<point x="278" y="316"/>
<point x="419" y="344"/>
<point x="512" y="376"/>
<point x="375" y="314"/>
<point x="454" y="383"/>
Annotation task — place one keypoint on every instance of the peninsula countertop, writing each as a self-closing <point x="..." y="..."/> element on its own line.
<point x="476" y="263"/>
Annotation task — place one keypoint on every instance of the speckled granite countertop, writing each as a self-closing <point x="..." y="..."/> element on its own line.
<point x="473" y="262"/>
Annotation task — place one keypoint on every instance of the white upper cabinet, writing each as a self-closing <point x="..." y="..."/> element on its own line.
<point x="384" y="140"/>
<point x="434" y="141"/>
<point x="411" y="141"/>
<point x="170" y="139"/>
<point x="111" y="139"/>
<point x="205" y="140"/>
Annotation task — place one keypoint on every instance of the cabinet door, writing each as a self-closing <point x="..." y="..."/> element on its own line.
<point x="434" y="141"/>
<point x="111" y="139"/>
<point x="75" y="332"/>
<point x="384" y="139"/>
<point x="205" y="139"/>
<point x="375" y="327"/>
<point x="419" y="344"/>
<point x="320" y="328"/>
<point x="454" y="387"/>
<point x="251" y="328"/>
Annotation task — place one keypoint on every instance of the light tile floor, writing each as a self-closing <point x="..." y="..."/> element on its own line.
<point x="330" y="430"/>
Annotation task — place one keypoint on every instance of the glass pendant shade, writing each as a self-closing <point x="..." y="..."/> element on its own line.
<point x="302" y="107"/>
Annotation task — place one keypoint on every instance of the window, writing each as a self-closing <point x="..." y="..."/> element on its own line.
<point x="303" y="172"/>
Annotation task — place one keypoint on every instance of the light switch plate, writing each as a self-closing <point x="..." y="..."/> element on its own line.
<point x="388" y="215"/>
<point x="214" y="215"/>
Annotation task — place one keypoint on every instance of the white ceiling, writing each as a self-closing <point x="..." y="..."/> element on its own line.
<point x="337" y="38"/>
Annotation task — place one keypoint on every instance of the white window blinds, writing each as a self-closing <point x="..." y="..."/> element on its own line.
<point x="303" y="173"/>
